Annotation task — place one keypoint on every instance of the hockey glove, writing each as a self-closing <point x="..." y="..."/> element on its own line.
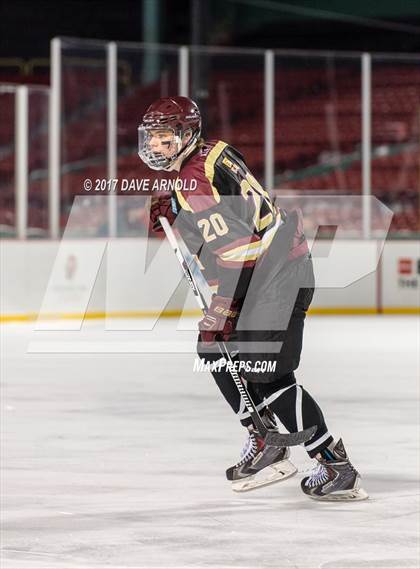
<point x="220" y="320"/>
<point x="161" y="206"/>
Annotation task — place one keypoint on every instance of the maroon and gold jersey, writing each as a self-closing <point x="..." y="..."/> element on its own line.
<point x="226" y="210"/>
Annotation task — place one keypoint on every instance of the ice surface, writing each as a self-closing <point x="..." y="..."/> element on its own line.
<point x="118" y="459"/>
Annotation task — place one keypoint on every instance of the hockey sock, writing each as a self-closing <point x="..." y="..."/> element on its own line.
<point x="230" y="392"/>
<point x="297" y="410"/>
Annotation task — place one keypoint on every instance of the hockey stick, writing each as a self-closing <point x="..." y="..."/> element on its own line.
<point x="272" y="437"/>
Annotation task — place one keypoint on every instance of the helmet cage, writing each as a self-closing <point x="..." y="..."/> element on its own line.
<point x="174" y="123"/>
<point x="153" y="159"/>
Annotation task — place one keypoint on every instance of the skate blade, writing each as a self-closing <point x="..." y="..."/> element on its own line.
<point x="269" y="475"/>
<point x="355" y="495"/>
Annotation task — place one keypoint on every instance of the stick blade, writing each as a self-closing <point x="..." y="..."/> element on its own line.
<point x="274" y="438"/>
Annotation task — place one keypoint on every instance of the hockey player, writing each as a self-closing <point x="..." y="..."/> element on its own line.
<point x="258" y="256"/>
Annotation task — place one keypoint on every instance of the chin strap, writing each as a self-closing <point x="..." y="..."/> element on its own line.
<point x="182" y="154"/>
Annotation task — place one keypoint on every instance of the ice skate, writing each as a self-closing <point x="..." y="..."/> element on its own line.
<point x="260" y="464"/>
<point x="334" y="479"/>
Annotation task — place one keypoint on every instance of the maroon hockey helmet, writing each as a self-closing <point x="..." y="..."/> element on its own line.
<point x="175" y="116"/>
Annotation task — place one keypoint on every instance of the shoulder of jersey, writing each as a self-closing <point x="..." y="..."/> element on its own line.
<point x="204" y="153"/>
<point x="200" y="169"/>
<point x="201" y="165"/>
<point x="215" y="154"/>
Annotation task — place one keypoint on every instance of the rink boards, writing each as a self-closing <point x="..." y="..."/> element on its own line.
<point x="76" y="279"/>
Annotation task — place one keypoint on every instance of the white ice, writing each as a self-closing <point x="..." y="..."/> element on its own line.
<point x="117" y="460"/>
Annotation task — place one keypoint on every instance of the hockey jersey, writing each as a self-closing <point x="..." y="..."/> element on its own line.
<point x="228" y="220"/>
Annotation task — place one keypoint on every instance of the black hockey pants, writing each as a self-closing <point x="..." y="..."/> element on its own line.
<point x="291" y="403"/>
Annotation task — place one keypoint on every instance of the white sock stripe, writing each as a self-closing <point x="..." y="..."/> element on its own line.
<point x="299" y="418"/>
<point x="277" y="394"/>
<point x="314" y="444"/>
<point x="242" y="414"/>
